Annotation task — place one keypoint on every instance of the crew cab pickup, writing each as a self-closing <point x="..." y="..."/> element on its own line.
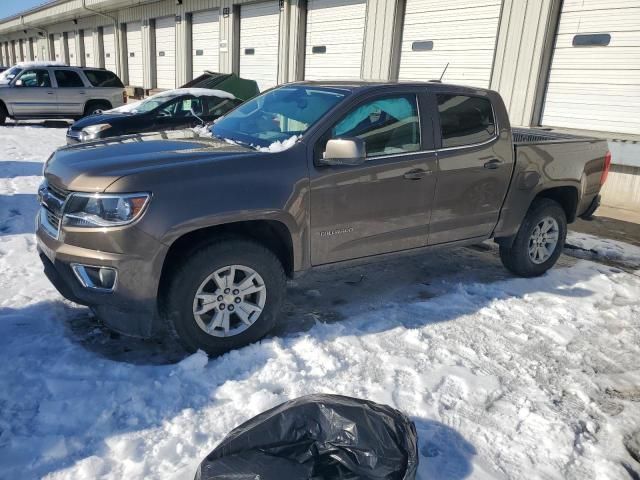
<point x="196" y="235"/>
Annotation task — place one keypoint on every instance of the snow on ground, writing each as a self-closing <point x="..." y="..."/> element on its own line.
<point x="590" y="246"/>
<point x="504" y="377"/>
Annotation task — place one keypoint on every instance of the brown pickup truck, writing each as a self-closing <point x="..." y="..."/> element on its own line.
<point x="198" y="234"/>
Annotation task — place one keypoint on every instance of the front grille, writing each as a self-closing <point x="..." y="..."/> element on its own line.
<point x="52" y="200"/>
<point x="52" y="218"/>
<point x="58" y="192"/>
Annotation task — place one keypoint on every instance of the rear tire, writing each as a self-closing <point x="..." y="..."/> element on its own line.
<point x="3" y="115"/>
<point x="199" y="285"/>
<point x="533" y="251"/>
<point x="93" y="108"/>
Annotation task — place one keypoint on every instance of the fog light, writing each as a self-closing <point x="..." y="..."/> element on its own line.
<point x="96" y="278"/>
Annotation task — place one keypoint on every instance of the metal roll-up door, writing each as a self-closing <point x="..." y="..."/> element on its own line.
<point x="205" y="32"/>
<point x="259" y="38"/>
<point x="71" y="49"/>
<point x="335" y="37"/>
<point x="134" y="54"/>
<point x="90" y="59"/>
<point x="57" y="48"/>
<point x="24" y="47"/>
<point x="16" y="51"/>
<point x="461" y="33"/>
<point x="109" y="47"/>
<point x="166" y="52"/>
<point x="594" y="78"/>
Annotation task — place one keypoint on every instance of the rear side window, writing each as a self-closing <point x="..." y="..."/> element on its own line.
<point x="103" y="78"/>
<point x="465" y="120"/>
<point x="68" y="79"/>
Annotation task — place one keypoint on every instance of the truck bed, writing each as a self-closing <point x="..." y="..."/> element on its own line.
<point x="528" y="136"/>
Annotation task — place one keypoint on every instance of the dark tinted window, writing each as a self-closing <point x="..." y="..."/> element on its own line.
<point x="103" y="78"/>
<point x="216" y="107"/>
<point x="387" y="125"/>
<point x="465" y="120"/>
<point x="68" y="79"/>
<point x="35" y="78"/>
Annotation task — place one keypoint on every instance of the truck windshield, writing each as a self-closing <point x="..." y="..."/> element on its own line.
<point x="277" y="115"/>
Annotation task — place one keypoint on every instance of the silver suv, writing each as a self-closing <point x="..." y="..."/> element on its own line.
<point x="34" y="90"/>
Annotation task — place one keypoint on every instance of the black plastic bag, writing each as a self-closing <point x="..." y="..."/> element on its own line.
<point x="318" y="437"/>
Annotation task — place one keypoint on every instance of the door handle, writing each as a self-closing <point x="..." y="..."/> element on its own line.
<point x="50" y="93"/>
<point x="493" y="164"/>
<point x="416" y="174"/>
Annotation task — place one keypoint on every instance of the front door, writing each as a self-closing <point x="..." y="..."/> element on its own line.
<point x="475" y="163"/>
<point x="382" y="205"/>
<point x="32" y="94"/>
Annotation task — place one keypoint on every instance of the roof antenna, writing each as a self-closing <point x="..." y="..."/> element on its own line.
<point x="445" y="69"/>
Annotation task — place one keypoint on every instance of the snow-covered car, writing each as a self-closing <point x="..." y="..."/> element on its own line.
<point x="168" y="110"/>
<point x="34" y="90"/>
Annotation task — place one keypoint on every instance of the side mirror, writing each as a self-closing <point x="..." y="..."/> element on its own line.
<point x="344" y="151"/>
<point x="19" y="83"/>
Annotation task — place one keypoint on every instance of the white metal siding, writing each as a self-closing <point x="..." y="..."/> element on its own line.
<point x="71" y="48"/>
<point x="90" y="59"/>
<point x="596" y="87"/>
<point x="205" y="42"/>
<point x="134" y="54"/>
<point x="109" y="47"/>
<point x="57" y="47"/>
<point x="166" y="52"/>
<point x="463" y="33"/>
<point x="259" y="36"/>
<point x="337" y="28"/>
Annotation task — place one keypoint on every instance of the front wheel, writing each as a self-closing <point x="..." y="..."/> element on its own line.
<point x="226" y="295"/>
<point x="539" y="241"/>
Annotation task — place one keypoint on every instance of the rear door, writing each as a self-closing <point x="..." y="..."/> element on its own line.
<point x="382" y="205"/>
<point x="474" y="168"/>
<point x="71" y="92"/>
<point x="35" y="96"/>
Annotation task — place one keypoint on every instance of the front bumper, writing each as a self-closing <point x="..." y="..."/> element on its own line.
<point x="131" y="308"/>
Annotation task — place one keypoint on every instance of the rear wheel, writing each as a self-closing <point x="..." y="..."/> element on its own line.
<point x="539" y="241"/>
<point x="226" y="295"/>
<point x="3" y="115"/>
<point x="94" y="108"/>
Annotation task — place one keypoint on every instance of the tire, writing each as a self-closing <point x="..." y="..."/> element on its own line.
<point x="3" y="115"/>
<point x="95" y="107"/>
<point x="518" y="258"/>
<point x="188" y="279"/>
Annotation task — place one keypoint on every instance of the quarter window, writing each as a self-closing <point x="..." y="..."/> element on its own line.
<point x="388" y="126"/>
<point x="465" y="120"/>
<point x="68" y="79"/>
<point x="36" y="78"/>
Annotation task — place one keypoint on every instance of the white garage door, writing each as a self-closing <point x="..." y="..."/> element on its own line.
<point x="57" y="47"/>
<point x="594" y="82"/>
<point x="71" y="49"/>
<point x="166" y="52"/>
<point x="335" y="35"/>
<point x="134" y="54"/>
<point x="24" y="47"/>
<point x="109" y="47"/>
<point x="206" y="39"/>
<point x="259" y="34"/>
<point x="89" y="53"/>
<point x="461" y="33"/>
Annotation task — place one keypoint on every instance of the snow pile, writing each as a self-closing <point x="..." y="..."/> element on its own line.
<point x="278" y="146"/>
<point x="595" y="247"/>
<point x="512" y="378"/>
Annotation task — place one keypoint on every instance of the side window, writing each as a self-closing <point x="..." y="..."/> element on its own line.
<point x="465" y="120"/>
<point x="387" y="125"/>
<point x="68" y="79"/>
<point x="103" y="78"/>
<point x="35" y="78"/>
<point x="217" y="107"/>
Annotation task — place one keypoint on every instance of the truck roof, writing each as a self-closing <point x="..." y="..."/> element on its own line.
<point x="354" y="85"/>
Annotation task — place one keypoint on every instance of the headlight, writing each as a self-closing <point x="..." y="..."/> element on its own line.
<point x="104" y="209"/>
<point x="91" y="132"/>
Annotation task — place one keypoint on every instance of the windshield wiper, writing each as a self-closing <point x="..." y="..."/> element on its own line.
<point x="233" y="141"/>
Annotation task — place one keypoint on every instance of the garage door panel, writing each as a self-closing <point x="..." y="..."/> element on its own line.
<point x="166" y="52"/>
<point x="89" y="55"/>
<point x="135" y="65"/>
<point x="336" y="30"/>
<point x="463" y="33"/>
<point x="259" y="39"/>
<point x="57" y="47"/>
<point x="71" y="49"/>
<point x="596" y="87"/>
<point x="205" y="41"/>
<point x="109" y="46"/>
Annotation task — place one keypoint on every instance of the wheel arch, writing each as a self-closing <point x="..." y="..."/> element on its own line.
<point x="94" y="101"/>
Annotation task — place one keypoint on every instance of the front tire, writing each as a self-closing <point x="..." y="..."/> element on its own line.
<point x="3" y="115"/>
<point x="228" y="294"/>
<point x="539" y="241"/>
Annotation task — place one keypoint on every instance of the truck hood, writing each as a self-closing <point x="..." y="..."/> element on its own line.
<point x="93" y="166"/>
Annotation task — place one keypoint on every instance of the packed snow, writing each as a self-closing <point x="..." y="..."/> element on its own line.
<point x="504" y="377"/>
<point x="590" y="246"/>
